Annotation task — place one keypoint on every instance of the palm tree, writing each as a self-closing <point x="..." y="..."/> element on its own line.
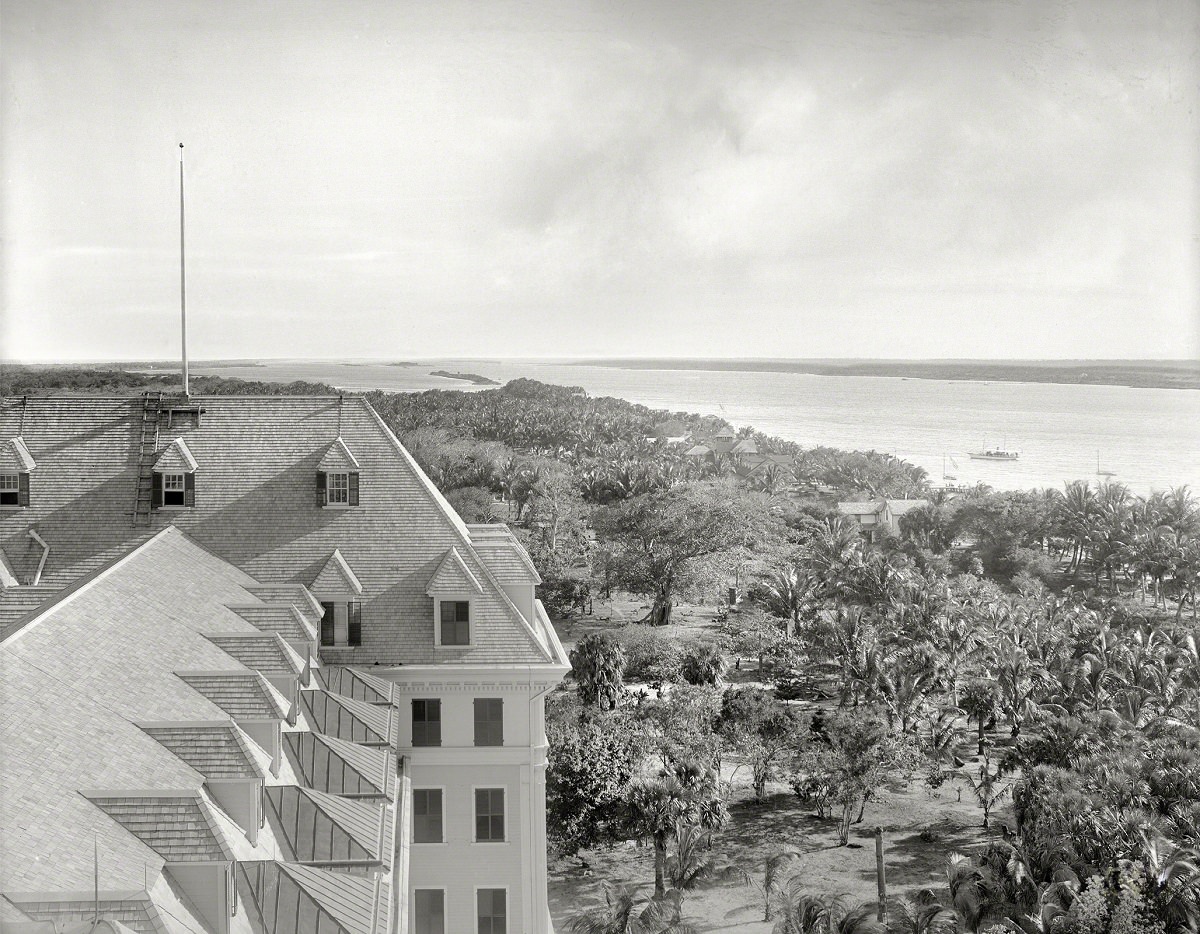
<point x="921" y="914"/>
<point x="970" y="892"/>
<point x="987" y="789"/>
<point x="773" y="869"/>
<point x="802" y="913"/>
<point x="624" y="912"/>
<point x="1172" y="881"/>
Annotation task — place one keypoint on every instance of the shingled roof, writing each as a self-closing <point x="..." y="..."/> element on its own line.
<point x="15" y="456"/>
<point x="260" y="457"/>
<point x="86" y="764"/>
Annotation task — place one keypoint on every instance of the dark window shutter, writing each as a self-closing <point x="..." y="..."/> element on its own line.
<point x="353" y="489"/>
<point x="156" y="490"/>
<point x="327" y="624"/>
<point x="354" y="629"/>
<point x="23" y="489"/>
<point x="320" y="488"/>
<point x="189" y="489"/>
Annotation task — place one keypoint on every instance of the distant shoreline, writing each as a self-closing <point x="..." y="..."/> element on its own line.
<point x="1134" y="374"/>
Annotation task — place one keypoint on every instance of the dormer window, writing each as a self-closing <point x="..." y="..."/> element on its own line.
<point x="456" y="622"/>
<point x="337" y="477"/>
<point x="174" y="490"/>
<point x="15" y="464"/>
<point x="14" y="489"/>
<point x="173" y="483"/>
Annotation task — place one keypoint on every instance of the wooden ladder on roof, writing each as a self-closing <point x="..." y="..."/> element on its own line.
<point x="151" y="414"/>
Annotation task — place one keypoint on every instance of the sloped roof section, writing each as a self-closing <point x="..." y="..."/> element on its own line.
<point x="174" y="826"/>
<point x="338" y="458"/>
<point x="137" y="914"/>
<point x="287" y="621"/>
<point x="321" y="827"/>
<point x="176" y="458"/>
<point x="242" y="695"/>
<point x="334" y="901"/>
<point x="339" y="767"/>
<point x="265" y="653"/>
<point x="453" y="576"/>
<point x="213" y="750"/>
<point x="504" y="556"/>
<point x="15" y="456"/>
<point x="352" y="720"/>
<point x="336" y="577"/>
<point x="353" y="682"/>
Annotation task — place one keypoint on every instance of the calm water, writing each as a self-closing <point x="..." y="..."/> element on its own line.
<point x="1149" y="438"/>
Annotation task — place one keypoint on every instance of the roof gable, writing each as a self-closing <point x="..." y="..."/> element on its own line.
<point x="15" y="456"/>
<point x="175" y="458"/>
<point x="336" y="577"/>
<point x="338" y="458"/>
<point x="453" y="577"/>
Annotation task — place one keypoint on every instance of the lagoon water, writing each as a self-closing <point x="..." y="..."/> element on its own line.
<point x="1148" y="438"/>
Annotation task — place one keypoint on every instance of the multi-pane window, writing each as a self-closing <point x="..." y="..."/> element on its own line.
<point x="489" y="815"/>
<point x="10" y="489"/>
<point x="456" y="622"/>
<point x="489" y="721"/>
<point x="173" y="487"/>
<point x="337" y="486"/>
<point x="427" y="815"/>
<point x="492" y="911"/>
<point x="427" y="722"/>
<point x="429" y="911"/>
<point x="341" y="623"/>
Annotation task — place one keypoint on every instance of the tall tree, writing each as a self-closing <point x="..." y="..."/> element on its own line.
<point x="665" y="542"/>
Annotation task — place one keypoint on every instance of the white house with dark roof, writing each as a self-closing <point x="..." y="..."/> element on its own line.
<point x="876" y="518"/>
<point x="298" y="660"/>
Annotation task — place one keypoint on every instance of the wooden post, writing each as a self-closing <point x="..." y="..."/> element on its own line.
<point x="880" y="877"/>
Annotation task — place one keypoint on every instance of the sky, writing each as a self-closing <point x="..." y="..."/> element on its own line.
<point x="551" y="178"/>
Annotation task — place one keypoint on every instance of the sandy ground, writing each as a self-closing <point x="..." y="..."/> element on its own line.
<point x="756" y="831"/>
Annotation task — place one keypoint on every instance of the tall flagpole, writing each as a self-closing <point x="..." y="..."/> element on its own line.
<point x="182" y="279"/>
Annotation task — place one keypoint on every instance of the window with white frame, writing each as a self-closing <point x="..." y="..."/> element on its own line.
<point x="173" y="487"/>
<point x="10" y="489"/>
<point x="489" y="721"/>
<point x="429" y="911"/>
<point x="489" y="815"/>
<point x="456" y="622"/>
<point x="491" y="911"/>
<point x="337" y="488"/>
<point x="341" y="622"/>
<point x="427" y="816"/>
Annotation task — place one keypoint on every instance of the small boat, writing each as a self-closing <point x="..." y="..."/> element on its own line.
<point x="948" y="476"/>
<point x="1102" y="473"/>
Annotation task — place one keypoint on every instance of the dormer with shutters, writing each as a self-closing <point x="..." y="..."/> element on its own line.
<point x="16" y="463"/>
<point x="453" y="587"/>
<point x="337" y="477"/>
<point x="339" y="592"/>
<point x="173" y="483"/>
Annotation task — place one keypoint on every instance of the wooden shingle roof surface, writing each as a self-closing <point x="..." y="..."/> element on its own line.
<point x="15" y="456"/>
<point x="265" y="653"/>
<point x="336" y="576"/>
<point x="338" y="458"/>
<point x="505" y="557"/>
<point x="175" y="458"/>
<point x="242" y="695"/>
<point x="255" y="506"/>
<point x="77" y="679"/>
<point x="213" y="750"/>
<point x="453" y="577"/>
<point x="175" y="827"/>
